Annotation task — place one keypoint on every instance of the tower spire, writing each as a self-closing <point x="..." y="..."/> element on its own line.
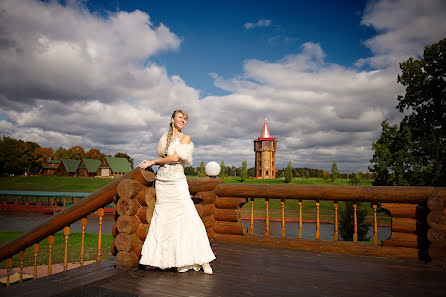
<point x="265" y="132"/>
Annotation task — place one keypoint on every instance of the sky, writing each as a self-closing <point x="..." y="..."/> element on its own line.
<point x="108" y="74"/>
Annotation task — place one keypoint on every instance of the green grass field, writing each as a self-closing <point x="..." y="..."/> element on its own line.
<point x="53" y="183"/>
<point x="74" y="250"/>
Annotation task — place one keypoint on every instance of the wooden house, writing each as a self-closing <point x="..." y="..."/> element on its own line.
<point x="89" y="168"/>
<point x="51" y="167"/>
<point x="69" y="167"/>
<point x="114" y="167"/>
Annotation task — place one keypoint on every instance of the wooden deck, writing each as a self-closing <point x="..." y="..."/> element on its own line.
<point x="246" y="270"/>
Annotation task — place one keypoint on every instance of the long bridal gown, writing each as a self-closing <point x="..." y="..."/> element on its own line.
<point x="177" y="236"/>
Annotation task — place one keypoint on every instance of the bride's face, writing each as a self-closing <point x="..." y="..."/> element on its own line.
<point x="179" y="121"/>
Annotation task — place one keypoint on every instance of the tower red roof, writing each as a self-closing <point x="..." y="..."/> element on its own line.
<point x="265" y="133"/>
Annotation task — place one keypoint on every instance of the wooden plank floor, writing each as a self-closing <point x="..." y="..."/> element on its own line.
<point x="245" y="270"/>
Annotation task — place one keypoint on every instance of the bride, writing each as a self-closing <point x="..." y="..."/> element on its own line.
<point x="176" y="237"/>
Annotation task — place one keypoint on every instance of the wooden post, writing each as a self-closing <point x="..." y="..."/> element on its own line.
<point x="282" y="232"/>
<point x="355" y="234"/>
<point x="300" y="220"/>
<point x="50" y="253"/>
<point x="83" y="223"/>
<point x="267" y="217"/>
<point x="8" y="270"/>
<point x="251" y="226"/>
<point x="66" y="232"/>
<point x="375" y="225"/>
<point x="335" y="235"/>
<point x="22" y="259"/>
<point x="318" y="233"/>
<point x="35" y="250"/>
<point x="100" y="214"/>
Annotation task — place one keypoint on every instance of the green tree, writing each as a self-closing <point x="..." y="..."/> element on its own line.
<point x="124" y="155"/>
<point x="244" y="171"/>
<point x="420" y="141"/>
<point x="334" y="172"/>
<point x="62" y="153"/>
<point x="77" y="152"/>
<point x="222" y="169"/>
<point x="189" y="170"/>
<point x="346" y="221"/>
<point x="95" y="153"/>
<point x="289" y="173"/>
<point x="201" y="170"/>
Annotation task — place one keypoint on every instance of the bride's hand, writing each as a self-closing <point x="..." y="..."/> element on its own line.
<point x="146" y="164"/>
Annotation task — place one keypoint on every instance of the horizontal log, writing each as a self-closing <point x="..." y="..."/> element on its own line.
<point x="438" y="254"/>
<point x="128" y="242"/>
<point x="208" y="209"/>
<point x="437" y="220"/>
<point x="208" y="221"/>
<point x="235" y="228"/>
<point x="129" y="188"/>
<point x="113" y="249"/>
<point x="142" y="231"/>
<point x="401" y="240"/>
<point x="150" y="198"/>
<point x="229" y="202"/>
<point x="437" y="202"/>
<point x="228" y="215"/>
<point x="437" y="236"/>
<point x="404" y="225"/>
<point x="127" y="206"/>
<point x="204" y="184"/>
<point x="147" y="195"/>
<point x="401" y="210"/>
<point x="204" y="198"/>
<point x="115" y="230"/>
<point x="199" y="209"/>
<point x="142" y="214"/>
<point x="343" y="247"/>
<point x="79" y="210"/>
<point x="126" y="260"/>
<point x="127" y="224"/>
<point x="211" y="233"/>
<point x="337" y="193"/>
<point x="149" y="213"/>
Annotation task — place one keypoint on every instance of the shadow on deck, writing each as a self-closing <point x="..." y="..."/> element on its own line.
<point x="243" y="270"/>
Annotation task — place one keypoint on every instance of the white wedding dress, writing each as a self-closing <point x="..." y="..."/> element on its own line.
<point x="177" y="236"/>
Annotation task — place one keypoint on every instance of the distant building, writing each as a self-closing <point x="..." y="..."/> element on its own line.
<point x="265" y="149"/>
<point x="69" y="167"/>
<point x="51" y="167"/>
<point x="89" y="168"/>
<point x="114" y="167"/>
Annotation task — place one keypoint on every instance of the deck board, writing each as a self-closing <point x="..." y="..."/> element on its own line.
<point x="246" y="270"/>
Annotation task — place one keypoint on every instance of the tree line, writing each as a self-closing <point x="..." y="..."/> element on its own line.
<point x="20" y="157"/>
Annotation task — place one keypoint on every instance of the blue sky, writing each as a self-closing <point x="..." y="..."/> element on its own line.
<point x="215" y="40"/>
<point x="108" y="74"/>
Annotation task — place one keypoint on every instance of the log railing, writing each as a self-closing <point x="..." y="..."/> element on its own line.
<point x="61" y="221"/>
<point x="418" y="218"/>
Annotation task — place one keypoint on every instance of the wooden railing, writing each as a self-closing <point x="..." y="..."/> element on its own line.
<point x="418" y="218"/>
<point x="79" y="211"/>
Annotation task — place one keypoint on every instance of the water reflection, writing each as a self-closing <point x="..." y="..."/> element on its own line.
<point x="25" y="220"/>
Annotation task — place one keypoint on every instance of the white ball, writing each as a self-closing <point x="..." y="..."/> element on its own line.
<point x="212" y="169"/>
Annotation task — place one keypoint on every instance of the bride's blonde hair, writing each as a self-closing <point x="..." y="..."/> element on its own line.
<point x="170" y="133"/>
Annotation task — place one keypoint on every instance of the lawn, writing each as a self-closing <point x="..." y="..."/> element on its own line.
<point x="53" y="183"/>
<point x="74" y="248"/>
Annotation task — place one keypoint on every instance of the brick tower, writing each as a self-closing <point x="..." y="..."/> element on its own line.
<point x="265" y="148"/>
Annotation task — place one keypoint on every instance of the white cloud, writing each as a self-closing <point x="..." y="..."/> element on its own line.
<point x="69" y="77"/>
<point x="258" y="24"/>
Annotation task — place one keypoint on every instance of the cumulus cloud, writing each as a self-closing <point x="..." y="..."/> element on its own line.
<point x="70" y="77"/>
<point x="404" y="28"/>
<point x="258" y="24"/>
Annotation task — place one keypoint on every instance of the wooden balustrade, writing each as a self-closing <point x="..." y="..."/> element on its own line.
<point x="93" y="202"/>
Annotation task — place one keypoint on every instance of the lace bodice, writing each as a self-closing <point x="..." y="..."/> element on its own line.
<point x="171" y="171"/>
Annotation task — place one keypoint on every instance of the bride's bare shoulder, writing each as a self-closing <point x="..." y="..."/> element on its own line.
<point x="184" y="139"/>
